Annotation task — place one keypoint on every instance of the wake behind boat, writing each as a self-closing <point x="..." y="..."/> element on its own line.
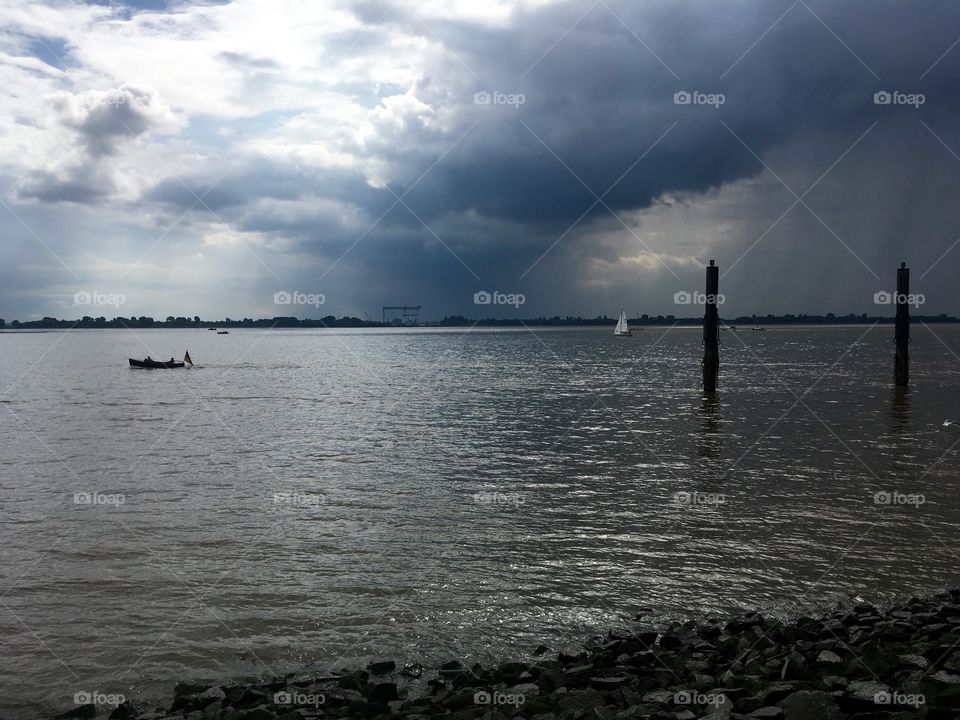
<point x="149" y="363"/>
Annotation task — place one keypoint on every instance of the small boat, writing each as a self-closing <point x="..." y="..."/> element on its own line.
<point x="760" y="329"/>
<point x="152" y="364"/>
<point x="148" y="363"/>
<point x="223" y="332"/>
<point x="211" y="328"/>
<point x="622" y="329"/>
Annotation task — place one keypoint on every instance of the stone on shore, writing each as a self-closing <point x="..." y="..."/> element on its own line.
<point x="381" y="667"/>
<point x="857" y="662"/>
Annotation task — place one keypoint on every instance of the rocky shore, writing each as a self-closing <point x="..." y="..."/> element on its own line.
<point x="857" y="662"/>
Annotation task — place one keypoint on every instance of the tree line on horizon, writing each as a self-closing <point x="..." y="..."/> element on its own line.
<point x="330" y="321"/>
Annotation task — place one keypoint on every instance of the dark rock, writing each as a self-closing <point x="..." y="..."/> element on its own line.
<point x="647" y="638"/>
<point x="771" y="711"/>
<point x="832" y="682"/>
<point x="353" y="681"/>
<point x="188" y="689"/>
<point x="259" y="713"/>
<point x="866" y="691"/>
<point x="510" y="672"/>
<point x="567" y="659"/>
<point x="670" y="641"/>
<point x="769" y="695"/>
<point x="702" y="681"/>
<point x="945" y="678"/>
<point x="383" y="693"/>
<point x="610" y="682"/>
<point x="541" y="649"/>
<point x="459" y="701"/>
<point x="659" y="697"/>
<point x="89" y="710"/>
<point x="127" y="710"/>
<point x="550" y="680"/>
<point x="794" y="668"/>
<point x="952" y="663"/>
<point x="601" y="712"/>
<point x="743" y="622"/>
<point x="828" y="657"/>
<point x="811" y="705"/>
<point x="381" y="667"/>
<point x="578" y="673"/>
<point x="249" y="697"/>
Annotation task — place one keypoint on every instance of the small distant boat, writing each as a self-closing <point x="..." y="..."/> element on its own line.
<point x="622" y="329"/>
<point x="759" y="329"/>
<point x="211" y="328"/>
<point x="152" y="364"/>
<point x="223" y="332"/>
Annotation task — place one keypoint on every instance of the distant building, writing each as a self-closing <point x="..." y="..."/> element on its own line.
<point x="402" y="315"/>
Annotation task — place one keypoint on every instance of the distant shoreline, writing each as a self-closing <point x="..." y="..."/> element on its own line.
<point x="330" y="322"/>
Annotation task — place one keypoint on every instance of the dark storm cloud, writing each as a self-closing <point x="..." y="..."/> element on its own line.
<point x="227" y="186"/>
<point x="502" y="183"/>
<point x="600" y="100"/>
<point x="103" y="122"/>
<point x="84" y="183"/>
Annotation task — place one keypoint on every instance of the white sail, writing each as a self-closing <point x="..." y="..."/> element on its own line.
<point x="622" y="327"/>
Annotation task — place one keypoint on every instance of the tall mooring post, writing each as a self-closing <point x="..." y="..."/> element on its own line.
<point x="901" y="362"/>
<point x="711" y="330"/>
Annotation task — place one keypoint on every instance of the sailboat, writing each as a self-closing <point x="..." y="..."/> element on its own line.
<point x="622" y="328"/>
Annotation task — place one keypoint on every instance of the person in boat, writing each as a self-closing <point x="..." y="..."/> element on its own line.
<point x="172" y="361"/>
<point x="148" y="359"/>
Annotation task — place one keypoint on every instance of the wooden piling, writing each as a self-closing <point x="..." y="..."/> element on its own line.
<point x="901" y="363"/>
<point x="711" y="330"/>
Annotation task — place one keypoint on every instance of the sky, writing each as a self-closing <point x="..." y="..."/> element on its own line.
<point x="257" y="158"/>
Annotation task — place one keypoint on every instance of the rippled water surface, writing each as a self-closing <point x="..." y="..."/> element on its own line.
<point x="326" y="496"/>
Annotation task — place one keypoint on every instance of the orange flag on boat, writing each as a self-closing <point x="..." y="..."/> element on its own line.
<point x="186" y="358"/>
